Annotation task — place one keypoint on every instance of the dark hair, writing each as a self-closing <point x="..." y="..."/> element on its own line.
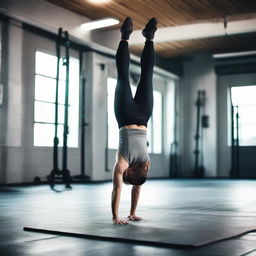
<point x="136" y="174"/>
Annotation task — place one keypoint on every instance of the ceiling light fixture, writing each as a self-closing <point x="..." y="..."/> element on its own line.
<point x="233" y="54"/>
<point x="99" y="1"/>
<point x="99" y="24"/>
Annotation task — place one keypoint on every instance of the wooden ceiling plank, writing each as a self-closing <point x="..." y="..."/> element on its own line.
<point x="173" y="13"/>
<point x="179" y="12"/>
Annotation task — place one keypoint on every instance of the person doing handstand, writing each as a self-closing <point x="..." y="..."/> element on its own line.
<point x="132" y="114"/>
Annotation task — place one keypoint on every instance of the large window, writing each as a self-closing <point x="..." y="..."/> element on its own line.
<point x="112" y="124"/>
<point x="1" y="71"/>
<point x="154" y="132"/>
<point x="44" y="104"/>
<point x="243" y="98"/>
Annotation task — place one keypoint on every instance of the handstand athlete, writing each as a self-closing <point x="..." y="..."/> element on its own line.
<point x="132" y="114"/>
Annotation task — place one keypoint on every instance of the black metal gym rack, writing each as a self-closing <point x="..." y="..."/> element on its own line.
<point x="62" y="41"/>
<point x="174" y="165"/>
<point x="201" y="122"/>
<point x="235" y="145"/>
<point x="82" y="177"/>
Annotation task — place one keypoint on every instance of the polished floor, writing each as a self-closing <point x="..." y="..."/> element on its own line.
<point x="34" y="205"/>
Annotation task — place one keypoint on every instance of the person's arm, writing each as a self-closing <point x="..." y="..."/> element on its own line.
<point x="135" y="194"/>
<point x="119" y="169"/>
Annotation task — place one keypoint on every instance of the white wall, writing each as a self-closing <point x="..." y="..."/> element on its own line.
<point x="109" y="39"/>
<point x="46" y="15"/>
<point x="96" y="91"/>
<point x="12" y="110"/>
<point x="198" y="75"/>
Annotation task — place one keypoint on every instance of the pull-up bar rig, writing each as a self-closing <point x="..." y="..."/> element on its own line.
<point x="62" y="41"/>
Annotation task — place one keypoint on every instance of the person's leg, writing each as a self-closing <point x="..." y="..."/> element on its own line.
<point x="123" y="54"/>
<point x="144" y="93"/>
<point x="123" y="61"/>
<point x="123" y="94"/>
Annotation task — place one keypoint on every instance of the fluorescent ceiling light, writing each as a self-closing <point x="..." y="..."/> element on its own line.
<point x="99" y="1"/>
<point x="99" y="24"/>
<point x="233" y="54"/>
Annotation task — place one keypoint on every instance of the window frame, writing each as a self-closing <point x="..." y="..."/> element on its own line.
<point x="234" y="120"/>
<point x="76" y="146"/>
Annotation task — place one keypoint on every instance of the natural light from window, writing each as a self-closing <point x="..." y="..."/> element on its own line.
<point x="244" y="98"/>
<point x="44" y="104"/>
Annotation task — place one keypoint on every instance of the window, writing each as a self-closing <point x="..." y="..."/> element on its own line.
<point x="1" y="71"/>
<point x="112" y="123"/>
<point x="44" y="104"/>
<point x="244" y="101"/>
<point x="154" y="131"/>
<point x="156" y="124"/>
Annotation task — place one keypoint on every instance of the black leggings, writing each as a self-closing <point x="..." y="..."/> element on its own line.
<point x="137" y="110"/>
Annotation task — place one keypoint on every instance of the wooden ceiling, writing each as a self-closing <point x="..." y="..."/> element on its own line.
<point x="235" y="43"/>
<point x="173" y="13"/>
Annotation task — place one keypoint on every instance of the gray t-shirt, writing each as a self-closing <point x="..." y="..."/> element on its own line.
<point x="133" y="145"/>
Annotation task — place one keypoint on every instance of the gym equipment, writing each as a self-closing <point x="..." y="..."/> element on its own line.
<point x="83" y="124"/>
<point x="62" y="40"/>
<point x="174" y="160"/>
<point x="174" y="165"/>
<point x="65" y="171"/>
<point x="235" y="147"/>
<point x="82" y="177"/>
<point x="199" y="169"/>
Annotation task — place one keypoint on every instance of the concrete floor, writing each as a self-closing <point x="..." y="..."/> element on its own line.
<point x="31" y="205"/>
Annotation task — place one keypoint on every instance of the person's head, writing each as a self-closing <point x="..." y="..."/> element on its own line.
<point x="136" y="174"/>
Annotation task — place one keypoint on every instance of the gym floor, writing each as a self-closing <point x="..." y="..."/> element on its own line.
<point x="28" y="205"/>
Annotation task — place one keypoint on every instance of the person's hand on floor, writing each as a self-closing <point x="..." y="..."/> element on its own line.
<point x="134" y="218"/>
<point x="120" y="222"/>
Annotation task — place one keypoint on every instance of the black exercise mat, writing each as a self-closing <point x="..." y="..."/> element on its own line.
<point x="156" y="229"/>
